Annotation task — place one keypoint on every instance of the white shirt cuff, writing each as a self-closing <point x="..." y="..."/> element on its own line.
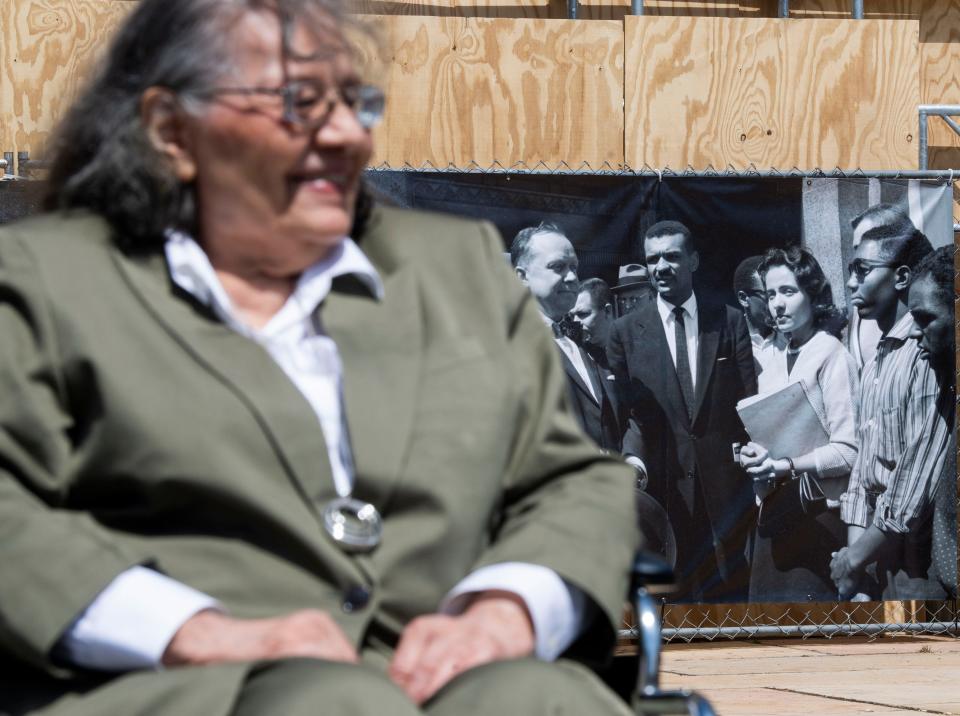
<point x="636" y="462"/>
<point x="556" y="607"/>
<point x="131" y="622"/>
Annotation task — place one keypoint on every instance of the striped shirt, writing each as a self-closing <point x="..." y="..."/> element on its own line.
<point x="903" y="437"/>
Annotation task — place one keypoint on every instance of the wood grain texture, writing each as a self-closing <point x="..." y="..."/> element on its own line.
<point x="558" y="9"/>
<point x="940" y="76"/>
<point x="47" y="48"/>
<point x="479" y="90"/>
<point x="771" y="93"/>
<point x="872" y="9"/>
<point x="618" y="9"/>
<point x="534" y="9"/>
<point x="939" y="56"/>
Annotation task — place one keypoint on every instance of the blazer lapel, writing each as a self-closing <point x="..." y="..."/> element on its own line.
<point x="574" y="375"/>
<point x="709" y="341"/>
<point x="246" y="369"/>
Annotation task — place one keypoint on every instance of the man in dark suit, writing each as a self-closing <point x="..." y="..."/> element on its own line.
<point x="682" y="364"/>
<point x="594" y="312"/>
<point x="546" y="264"/>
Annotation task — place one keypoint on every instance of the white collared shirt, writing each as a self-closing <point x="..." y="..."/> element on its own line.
<point x="691" y="328"/>
<point x="294" y="336"/>
<point x="130" y="623"/>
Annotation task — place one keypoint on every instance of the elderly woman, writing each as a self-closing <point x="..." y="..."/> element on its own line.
<point x="250" y="465"/>
<point x="799" y="524"/>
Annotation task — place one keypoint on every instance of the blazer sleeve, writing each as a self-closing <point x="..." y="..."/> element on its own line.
<point x="53" y="561"/>
<point x="566" y="505"/>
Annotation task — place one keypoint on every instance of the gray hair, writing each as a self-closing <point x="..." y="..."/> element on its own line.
<point x="102" y="159"/>
<point x="520" y="247"/>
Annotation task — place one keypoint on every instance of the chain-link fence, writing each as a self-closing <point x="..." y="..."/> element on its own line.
<point x="684" y="623"/>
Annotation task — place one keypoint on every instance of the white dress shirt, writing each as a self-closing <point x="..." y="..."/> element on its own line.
<point x="765" y="354"/>
<point x="691" y="327"/>
<point x="572" y="351"/>
<point x="129" y="625"/>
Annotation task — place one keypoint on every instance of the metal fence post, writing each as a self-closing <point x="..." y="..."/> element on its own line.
<point x="636" y="7"/>
<point x="857" y="9"/>
<point x="784" y="9"/>
<point x="923" y="139"/>
<point x="572" y="9"/>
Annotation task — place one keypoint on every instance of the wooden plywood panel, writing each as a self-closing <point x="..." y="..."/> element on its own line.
<point x="478" y="90"/>
<point x="618" y="9"/>
<point x="940" y="75"/>
<point x="771" y="93"/>
<point x="558" y="9"/>
<point x="939" y="56"/>
<point x="46" y="51"/>
<point x="872" y="9"/>
<point x="535" y="9"/>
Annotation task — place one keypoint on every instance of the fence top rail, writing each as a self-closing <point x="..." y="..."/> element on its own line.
<point x="606" y="169"/>
<point x="940" y="109"/>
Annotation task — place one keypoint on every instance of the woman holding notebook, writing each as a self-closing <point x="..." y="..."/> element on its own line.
<point x="799" y="523"/>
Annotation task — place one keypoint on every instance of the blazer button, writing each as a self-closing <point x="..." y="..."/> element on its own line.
<point x="355" y="598"/>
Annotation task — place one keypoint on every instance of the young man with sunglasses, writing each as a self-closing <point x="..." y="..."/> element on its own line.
<point x="887" y="504"/>
<point x="863" y="334"/>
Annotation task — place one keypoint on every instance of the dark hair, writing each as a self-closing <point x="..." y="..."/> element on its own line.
<point x="939" y="267"/>
<point x="600" y="294"/>
<point x="670" y="228"/>
<point x="885" y="215"/>
<point x="744" y="273"/>
<point x="520" y="247"/>
<point x="901" y="248"/>
<point x="812" y="281"/>
<point x="102" y="159"/>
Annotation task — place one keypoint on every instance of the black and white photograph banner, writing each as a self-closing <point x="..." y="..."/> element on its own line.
<point x="774" y="357"/>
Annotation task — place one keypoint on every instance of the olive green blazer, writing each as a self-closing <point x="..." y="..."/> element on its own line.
<point x="135" y="428"/>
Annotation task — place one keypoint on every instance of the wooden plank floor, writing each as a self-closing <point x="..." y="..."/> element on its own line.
<point x="885" y="676"/>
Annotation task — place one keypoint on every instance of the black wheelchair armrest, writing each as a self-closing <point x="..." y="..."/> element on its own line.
<point x="651" y="571"/>
<point x="651" y="576"/>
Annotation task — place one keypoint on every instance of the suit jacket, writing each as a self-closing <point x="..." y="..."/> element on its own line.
<point x="135" y="428"/>
<point x="599" y="418"/>
<point x="685" y="454"/>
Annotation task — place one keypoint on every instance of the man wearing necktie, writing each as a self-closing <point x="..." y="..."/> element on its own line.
<point x="546" y="264"/>
<point x="683" y="363"/>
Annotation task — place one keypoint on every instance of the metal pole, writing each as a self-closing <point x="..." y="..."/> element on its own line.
<point x="784" y="9"/>
<point x="636" y="7"/>
<point x="923" y="139"/>
<point x="572" y="9"/>
<point x="857" y="9"/>
<point x="941" y="109"/>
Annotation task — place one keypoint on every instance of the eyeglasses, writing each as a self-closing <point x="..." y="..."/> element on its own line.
<point x="861" y="267"/>
<point x="308" y="104"/>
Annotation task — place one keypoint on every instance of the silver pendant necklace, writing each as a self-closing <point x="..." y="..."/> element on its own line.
<point x="355" y="526"/>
